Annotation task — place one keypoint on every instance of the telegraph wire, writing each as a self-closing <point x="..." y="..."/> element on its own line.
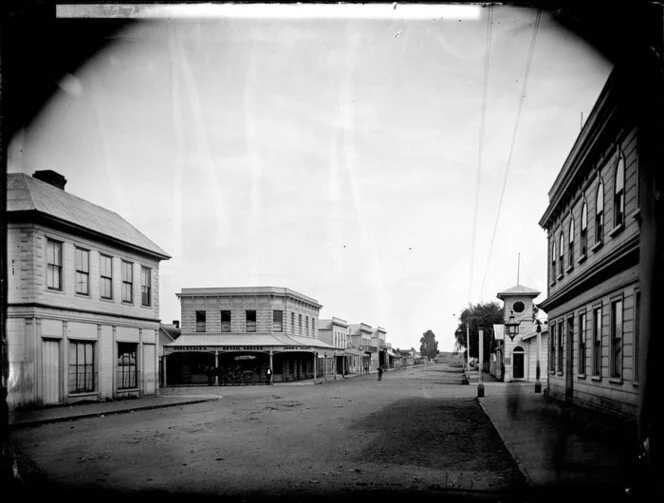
<point x="531" y="50"/>
<point x="480" y="148"/>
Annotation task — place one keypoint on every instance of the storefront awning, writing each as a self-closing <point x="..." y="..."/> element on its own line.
<point x="248" y="342"/>
<point x="390" y="353"/>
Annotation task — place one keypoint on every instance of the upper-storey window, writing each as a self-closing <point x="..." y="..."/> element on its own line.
<point x="584" y="228"/>
<point x="200" y="321"/>
<point x="561" y="251"/>
<point x="599" y="214"/>
<point x="146" y="286"/>
<point x="127" y="281"/>
<point x="619" y="193"/>
<point x="106" y="276"/>
<point x="277" y="321"/>
<point x="226" y="321"/>
<point x="300" y="323"/>
<point x="553" y="258"/>
<point x="54" y="264"/>
<point x="251" y="321"/>
<point x="82" y="271"/>
<point x="570" y="251"/>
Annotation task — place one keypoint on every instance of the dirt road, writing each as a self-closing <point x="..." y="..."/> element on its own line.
<point x="416" y="431"/>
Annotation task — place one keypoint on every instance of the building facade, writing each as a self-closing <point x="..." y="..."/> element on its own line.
<point x="239" y="332"/>
<point x="361" y="335"/>
<point x="593" y="224"/>
<point x="82" y="300"/>
<point x="516" y="359"/>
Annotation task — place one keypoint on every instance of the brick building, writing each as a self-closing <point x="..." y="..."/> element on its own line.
<point x="82" y="299"/>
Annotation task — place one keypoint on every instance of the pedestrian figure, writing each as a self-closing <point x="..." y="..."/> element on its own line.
<point x="380" y="373"/>
<point x="513" y="399"/>
<point x="268" y="375"/>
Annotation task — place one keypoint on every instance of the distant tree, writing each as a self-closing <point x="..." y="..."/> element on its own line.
<point x="475" y="317"/>
<point x="428" y="344"/>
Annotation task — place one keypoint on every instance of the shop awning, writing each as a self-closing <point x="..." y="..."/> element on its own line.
<point x="248" y="342"/>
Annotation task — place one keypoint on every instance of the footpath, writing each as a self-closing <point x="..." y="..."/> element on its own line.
<point x="566" y="453"/>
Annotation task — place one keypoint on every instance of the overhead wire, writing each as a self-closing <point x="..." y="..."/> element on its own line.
<point x="480" y="148"/>
<point x="531" y="50"/>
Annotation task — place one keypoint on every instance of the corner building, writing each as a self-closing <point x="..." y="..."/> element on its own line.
<point x="82" y="298"/>
<point x="593" y="224"/>
<point x="246" y="330"/>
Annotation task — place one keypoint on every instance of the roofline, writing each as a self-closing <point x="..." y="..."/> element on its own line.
<point x="595" y="125"/>
<point x="79" y="229"/>
<point x="246" y="290"/>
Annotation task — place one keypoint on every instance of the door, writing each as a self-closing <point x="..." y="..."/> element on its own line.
<point x="149" y="374"/>
<point x="50" y="372"/>
<point x="518" y="363"/>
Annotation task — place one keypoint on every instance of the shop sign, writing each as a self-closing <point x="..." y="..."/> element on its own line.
<point x="191" y="348"/>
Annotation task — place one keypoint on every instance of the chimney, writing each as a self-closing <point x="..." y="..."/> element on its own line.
<point x="51" y="177"/>
<point x="176" y="323"/>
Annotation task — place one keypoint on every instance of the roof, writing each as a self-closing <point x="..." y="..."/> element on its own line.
<point x="27" y="194"/>
<point x="171" y="330"/>
<point x="518" y="290"/>
<point x="246" y="290"/>
<point x="248" y="340"/>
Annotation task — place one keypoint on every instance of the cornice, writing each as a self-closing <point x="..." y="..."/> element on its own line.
<point x="621" y="257"/>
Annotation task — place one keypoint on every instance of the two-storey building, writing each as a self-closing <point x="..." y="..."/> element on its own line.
<point x="593" y="229"/>
<point x="246" y="329"/>
<point x="82" y="298"/>
<point x="336" y="332"/>
<point x="361" y="335"/>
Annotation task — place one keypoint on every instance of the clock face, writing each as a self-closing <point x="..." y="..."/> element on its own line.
<point x="518" y="307"/>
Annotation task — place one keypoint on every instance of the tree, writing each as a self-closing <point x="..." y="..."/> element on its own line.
<point x="428" y="345"/>
<point x="475" y="317"/>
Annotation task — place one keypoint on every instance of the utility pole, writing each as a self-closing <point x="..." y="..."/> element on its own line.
<point x="480" y="383"/>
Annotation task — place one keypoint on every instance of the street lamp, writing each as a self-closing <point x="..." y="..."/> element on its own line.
<point x="512" y="326"/>
<point x="538" y="384"/>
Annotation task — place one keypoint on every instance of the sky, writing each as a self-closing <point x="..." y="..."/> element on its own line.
<point x="331" y="150"/>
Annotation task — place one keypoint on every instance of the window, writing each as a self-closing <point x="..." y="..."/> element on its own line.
<point x="599" y="214"/>
<point x="277" y="321"/>
<point x="561" y="328"/>
<point x="251" y="321"/>
<point x="597" y="341"/>
<point x="127" y="371"/>
<point x="146" y="286"/>
<point x="81" y="366"/>
<point x="127" y="282"/>
<point x="54" y="264"/>
<point x="225" y="321"/>
<point x="552" y="347"/>
<point x="553" y="258"/>
<point x="106" y="273"/>
<point x="619" y="193"/>
<point x="300" y="323"/>
<point x="616" y="338"/>
<point x="306" y="325"/>
<point x="82" y="271"/>
<point x="584" y="228"/>
<point x="561" y="250"/>
<point x="637" y="323"/>
<point x="582" y="343"/>
<point x="200" y="321"/>
<point x="292" y="322"/>
<point x="570" y="251"/>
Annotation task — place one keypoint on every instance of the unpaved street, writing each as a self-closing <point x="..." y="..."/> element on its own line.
<point x="418" y="430"/>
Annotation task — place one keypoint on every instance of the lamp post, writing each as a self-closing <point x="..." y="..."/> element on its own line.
<point x="512" y="329"/>
<point x="538" y="384"/>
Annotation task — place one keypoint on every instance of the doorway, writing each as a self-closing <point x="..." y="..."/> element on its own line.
<point x="518" y="363"/>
